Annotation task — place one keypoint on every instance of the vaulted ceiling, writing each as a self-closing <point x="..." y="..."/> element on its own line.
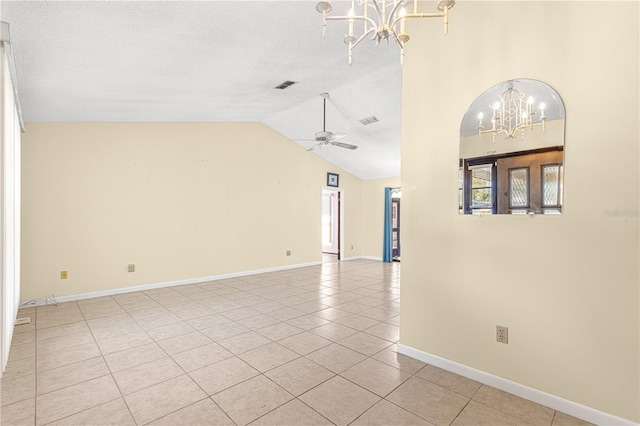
<point x="183" y="61"/>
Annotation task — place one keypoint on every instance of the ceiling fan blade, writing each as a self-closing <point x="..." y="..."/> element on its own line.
<point x="316" y="146"/>
<point x="344" y="145"/>
<point x="337" y="136"/>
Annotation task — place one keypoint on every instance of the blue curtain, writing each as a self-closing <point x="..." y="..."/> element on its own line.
<point x="387" y="241"/>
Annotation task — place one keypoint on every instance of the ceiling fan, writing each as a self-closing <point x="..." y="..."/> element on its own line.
<point x="325" y="138"/>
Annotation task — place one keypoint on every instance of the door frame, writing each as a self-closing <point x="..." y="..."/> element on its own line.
<point x="340" y="191"/>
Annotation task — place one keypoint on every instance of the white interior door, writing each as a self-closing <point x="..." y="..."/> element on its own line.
<point x="330" y="221"/>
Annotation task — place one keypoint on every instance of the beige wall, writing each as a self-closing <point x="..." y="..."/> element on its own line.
<point x="566" y="286"/>
<point x="180" y="201"/>
<point x="373" y="214"/>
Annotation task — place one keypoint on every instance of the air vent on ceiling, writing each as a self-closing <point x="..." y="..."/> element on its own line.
<point x="369" y="120"/>
<point x="286" y="84"/>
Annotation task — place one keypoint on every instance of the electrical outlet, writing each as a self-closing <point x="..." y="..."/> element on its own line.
<point x="64" y="275"/>
<point x="131" y="267"/>
<point x="502" y="334"/>
<point x="288" y="252"/>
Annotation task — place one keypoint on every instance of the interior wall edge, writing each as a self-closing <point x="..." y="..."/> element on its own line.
<point x="572" y="408"/>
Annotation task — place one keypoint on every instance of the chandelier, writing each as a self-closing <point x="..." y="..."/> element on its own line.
<point x="512" y="115"/>
<point x="381" y="19"/>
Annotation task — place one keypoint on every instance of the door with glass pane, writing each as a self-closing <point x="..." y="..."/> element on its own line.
<point x="395" y="228"/>
<point x="530" y="183"/>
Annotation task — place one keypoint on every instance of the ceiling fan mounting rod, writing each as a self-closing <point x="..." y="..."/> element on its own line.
<point x="324" y="110"/>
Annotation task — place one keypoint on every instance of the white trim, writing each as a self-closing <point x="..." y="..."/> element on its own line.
<point x="379" y="259"/>
<point x="341" y="232"/>
<point x="151" y="286"/>
<point x="552" y="401"/>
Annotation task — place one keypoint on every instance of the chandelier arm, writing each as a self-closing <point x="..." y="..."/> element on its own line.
<point x="369" y="31"/>
<point x="393" y="12"/>
<point x="346" y="18"/>
<point x="376" y="5"/>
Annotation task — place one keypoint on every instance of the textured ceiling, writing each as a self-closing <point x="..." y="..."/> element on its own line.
<point x="168" y="61"/>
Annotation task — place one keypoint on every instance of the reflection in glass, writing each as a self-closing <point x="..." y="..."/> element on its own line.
<point x="519" y="187"/>
<point x="481" y="187"/>
<point x="552" y="185"/>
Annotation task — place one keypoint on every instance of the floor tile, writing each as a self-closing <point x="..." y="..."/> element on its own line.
<point x="244" y="342"/>
<point x="201" y="356"/>
<point x="300" y="375"/>
<point x="134" y="356"/>
<point x="126" y="341"/>
<point x="304" y="343"/>
<point x="384" y="331"/>
<point x="17" y="388"/>
<point x="240" y="313"/>
<point x="378" y="314"/>
<point x="73" y="399"/>
<point x="385" y="413"/>
<point x="208" y="321"/>
<point x="164" y="398"/>
<point x="65" y="341"/>
<point x="365" y="343"/>
<point x="26" y="337"/>
<point x="562" y="419"/>
<point x="184" y="342"/>
<point x="268" y="356"/>
<point x="429" y="401"/>
<point x="356" y="321"/>
<point x="61" y="330"/>
<point x="308" y="322"/>
<point x="251" y="399"/>
<point x="286" y="314"/>
<point x="293" y="413"/>
<point x="376" y="376"/>
<point x="146" y="375"/>
<point x="515" y="406"/>
<point x="170" y="330"/>
<point x="217" y="377"/>
<point x="462" y="385"/>
<point x="391" y="357"/>
<point x="99" y="307"/>
<point x="58" y="378"/>
<point x="279" y="331"/>
<point x="113" y="413"/>
<point x="339" y="400"/>
<point x="258" y="321"/>
<point x="333" y="331"/>
<point x="21" y="367"/>
<point x="475" y="414"/>
<point x="335" y="357"/>
<point x="66" y="356"/>
<point x="19" y="413"/>
<point x="204" y="412"/>
<point x="25" y="350"/>
<point x="224" y="331"/>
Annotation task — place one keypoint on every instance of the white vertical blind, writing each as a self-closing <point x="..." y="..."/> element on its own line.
<point x="10" y="128"/>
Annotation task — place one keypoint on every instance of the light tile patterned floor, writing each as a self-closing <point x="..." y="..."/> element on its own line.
<point x="310" y="346"/>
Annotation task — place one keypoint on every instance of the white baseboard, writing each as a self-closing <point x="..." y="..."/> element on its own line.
<point x="362" y="257"/>
<point x="543" y="398"/>
<point x="151" y="286"/>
